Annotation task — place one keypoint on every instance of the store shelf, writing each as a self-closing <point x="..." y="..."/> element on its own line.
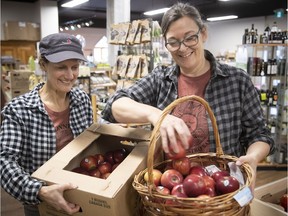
<point x="271" y="166"/>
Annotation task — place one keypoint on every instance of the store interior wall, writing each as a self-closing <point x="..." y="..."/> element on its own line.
<point x="223" y="36"/>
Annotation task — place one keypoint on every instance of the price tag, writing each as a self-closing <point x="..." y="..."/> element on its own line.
<point x="212" y="169"/>
<point x="244" y="196"/>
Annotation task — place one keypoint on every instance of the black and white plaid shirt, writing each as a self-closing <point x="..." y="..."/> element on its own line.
<point x="28" y="139"/>
<point x="230" y="93"/>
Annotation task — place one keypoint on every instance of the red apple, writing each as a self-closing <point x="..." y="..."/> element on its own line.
<point x="220" y="174"/>
<point x="198" y="170"/>
<point x="80" y="170"/>
<point x="105" y="175"/>
<point x="182" y="165"/>
<point x="180" y="154"/>
<point x="109" y="157"/>
<point x="209" y="181"/>
<point x="119" y="155"/>
<point x="105" y="167"/>
<point x="100" y="158"/>
<point x="156" y="176"/>
<point x="226" y="184"/>
<point x="194" y="185"/>
<point x="115" y="166"/>
<point x="178" y="190"/>
<point x="88" y="163"/>
<point x="170" y="178"/>
<point x="162" y="190"/>
<point x="210" y="192"/>
<point x="284" y="201"/>
<point x="95" y="173"/>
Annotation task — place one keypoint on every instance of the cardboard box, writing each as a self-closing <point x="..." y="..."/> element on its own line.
<point x="266" y="201"/>
<point x="15" y="30"/>
<point x="114" y="196"/>
<point x="33" y="31"/>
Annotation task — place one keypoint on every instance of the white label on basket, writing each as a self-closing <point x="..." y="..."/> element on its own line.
<point x="212" y="169"/>
<point x="244" y="196"/>
<point x="236" y="172"/>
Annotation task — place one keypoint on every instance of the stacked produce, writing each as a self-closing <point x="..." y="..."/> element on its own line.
<point x="101" y="165"/>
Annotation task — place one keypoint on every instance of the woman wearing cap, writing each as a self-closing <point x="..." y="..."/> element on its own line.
<point x="38" y="124"/>
<point x="228" y="90"/>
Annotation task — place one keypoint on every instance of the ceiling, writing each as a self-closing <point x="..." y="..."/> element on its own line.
<point x="95" y="10"/>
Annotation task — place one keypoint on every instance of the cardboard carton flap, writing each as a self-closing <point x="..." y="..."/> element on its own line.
<point x="119" y="131"/>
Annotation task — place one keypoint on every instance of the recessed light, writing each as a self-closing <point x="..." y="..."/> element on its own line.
<point x="222" y="18"/>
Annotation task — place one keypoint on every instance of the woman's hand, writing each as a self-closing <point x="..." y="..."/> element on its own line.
<point x="171" y="130"/>
<point x="53" y="195"/>
<point x="253" y="163"/>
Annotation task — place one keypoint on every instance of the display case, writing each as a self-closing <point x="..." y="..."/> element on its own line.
<point x="267" y="66"/>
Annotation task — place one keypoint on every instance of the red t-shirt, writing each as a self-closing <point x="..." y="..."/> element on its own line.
<point x="60" y="120"/>
<point x="194" y="113"/>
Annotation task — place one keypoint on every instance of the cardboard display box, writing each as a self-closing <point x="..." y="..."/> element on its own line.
<point x="267" y="197"/>
<point x="111" y="197"/>
<point x="15" y="30"/>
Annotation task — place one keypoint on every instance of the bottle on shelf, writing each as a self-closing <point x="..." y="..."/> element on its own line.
<point x="245" y="37"/>
<point x="273" y="33"/>
<point x="252" y="34"/>
<point x="275" y="96"/>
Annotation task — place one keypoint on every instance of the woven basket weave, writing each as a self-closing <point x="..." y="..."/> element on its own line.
<point x="157" y="204"/>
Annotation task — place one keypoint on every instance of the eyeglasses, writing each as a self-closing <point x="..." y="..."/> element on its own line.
<point x="189" y="41"/>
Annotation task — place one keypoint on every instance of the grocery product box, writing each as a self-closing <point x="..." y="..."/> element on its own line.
<point x="15" y="30"/>
<point x="113" y="196"/>
<point x="267" y="199"/>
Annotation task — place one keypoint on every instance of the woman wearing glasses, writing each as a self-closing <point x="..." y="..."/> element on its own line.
<point x="228" y="90"/>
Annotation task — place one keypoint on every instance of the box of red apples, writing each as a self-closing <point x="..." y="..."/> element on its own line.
<point x="104" y="190"/>
<point x="271" y="199"/>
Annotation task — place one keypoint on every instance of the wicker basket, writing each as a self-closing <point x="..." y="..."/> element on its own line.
<point x="157" y="204"/>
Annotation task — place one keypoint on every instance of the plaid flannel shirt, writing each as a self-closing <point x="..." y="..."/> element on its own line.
<point x="28" y="140"/>
<point x="230" y="93"/>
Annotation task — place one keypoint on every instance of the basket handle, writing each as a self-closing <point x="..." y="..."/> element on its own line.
<point x="155" y="135"/>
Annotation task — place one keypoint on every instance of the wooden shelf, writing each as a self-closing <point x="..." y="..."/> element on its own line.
<point x="272" y="166"/>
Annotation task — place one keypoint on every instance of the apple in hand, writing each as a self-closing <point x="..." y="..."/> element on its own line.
<point x="182" y="165"/>
<point x="194" y="185"/>
<point x="156" y="176"/>
<point x="170" y="178"/>
<point x="284" y="201"/>
<point x="181" y="152"/>
<point x="198" y="170"/>
<point x="226" y="184"/>
<point x="105" y="167"/>
<point x="88" y="163"/>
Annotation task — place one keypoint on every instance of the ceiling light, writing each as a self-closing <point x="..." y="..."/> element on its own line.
<point x="222" y="18"/>
<point x="154" y="12"/>
<point x="61" y="29"/>
<point x="73" y="3"/>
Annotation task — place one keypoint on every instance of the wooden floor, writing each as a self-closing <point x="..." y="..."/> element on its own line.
<point x="11" y="207"/>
